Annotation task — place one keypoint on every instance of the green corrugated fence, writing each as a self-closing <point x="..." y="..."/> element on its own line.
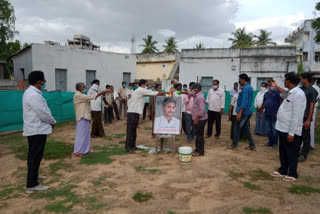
<point x="60" y="104"/>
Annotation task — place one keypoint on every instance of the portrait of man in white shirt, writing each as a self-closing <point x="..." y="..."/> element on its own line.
<point x="167" y="123"/>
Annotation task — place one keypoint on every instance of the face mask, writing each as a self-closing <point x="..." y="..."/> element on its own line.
<point x="124" y="86"/>
<point x="135" y="87"/>
<point x="300" y="83"/>
<point x="43" y="86"/>
<point x="239" y="82"/>
<point x="185" y="89"/>
<point x="215" y="87"/>
<point x="263" y="89"/>
<point x="272" y="88"/>
<point x="130" y="87"/>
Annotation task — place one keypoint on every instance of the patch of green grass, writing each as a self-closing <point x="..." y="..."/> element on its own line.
<point x="303" y="190"/>
<point x="250" y="210"/>
<point x="171" y="212"/>
<point x="251" y="186"/>
<point x="92" y="200"/>
<point x="259" y="174"/>
<point x="159" y="159"/>
<point x="54" y="167"/>
<point x="236" y="175"/>
<point x="142" y="169"/>
<point x="147" y="128"/>
<point x="97" y="182"/>
<point x="6" y="193"/>
<point x="63" y="124"/>
<point x="140" y="197"/>
<point x="122" y="142"/>
<point x="118" y="136"/>
<point x="69" y="199"/>
<point x="103" y="156"/>
<point x="109" y="138"/>
<point x="97" y="207"/>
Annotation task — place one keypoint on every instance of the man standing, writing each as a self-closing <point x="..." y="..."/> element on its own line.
<point x="260" y="128"/>
<point x="234" y="90"/>
<point x="123" y="99"/>
<point x="271" y="104"/>
<point x="311" y="95"/>
<point x="200" y="117"/>
<point x="37" y="124"/>
<point x="108" y="107"/>
<point x="289" y="123"/>
<point x="244" y="112"/>
<point x="115" y="98"/>
<point x="179" y="93"/>
<point x="135" y="107"/>
<point x="312" y="126"/>
<point x="216" y="101"/>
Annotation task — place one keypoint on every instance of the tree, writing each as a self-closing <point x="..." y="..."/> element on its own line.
<point x="171" y="45"/>
<point x="199" y="46"/>
<point x="264" y="38"/>
<point x="316" y="24"/>
<point x="149" y="45"/>
<point x="7" y="21"/>
<point x="241" y="39"/>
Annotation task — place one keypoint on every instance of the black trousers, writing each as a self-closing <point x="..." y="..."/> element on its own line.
<point x="108" y="115"/>
<point x="116" y="110"/>
<point x="305" y="138"/>
<point x="145" y="108"/>
<point x="184" y="122"/>
<point x="200" y="136"/>
<point x="132" y="125"/>
<point x="214" y="116"/>
<point x="35" y="153"/>
<point x="288" y="155"/>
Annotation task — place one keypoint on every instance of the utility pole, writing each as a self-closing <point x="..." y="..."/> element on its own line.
<point x="133" y="44"/>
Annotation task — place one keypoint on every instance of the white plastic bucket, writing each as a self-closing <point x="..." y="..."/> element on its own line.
<point x="185" y="154"/>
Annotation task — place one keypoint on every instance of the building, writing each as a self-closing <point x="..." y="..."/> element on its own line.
<point x="2" y="68"/>
<point x="64" y="66"/>
<point x="307" y="48"/>
<point x="157" y="66"/>
<point x="225" y="64"/>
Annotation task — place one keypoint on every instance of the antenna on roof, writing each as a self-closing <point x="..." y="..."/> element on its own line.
<point x="133" y="44"/>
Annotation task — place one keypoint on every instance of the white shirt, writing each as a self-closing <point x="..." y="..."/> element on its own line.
<point x="234" y="104"/>
<point x="163" y="126"/>
<point x="216" y="99"/>
<point x="259" y="99"/>
<point x="95" y="104"/>
<point x="129" y="92"/>
<point x="137" y="100"/>
<point x="183" y="105"/>
<point x="37" y="117"/>
<point x="318" y="97"/>
<point x="291" y="111"/>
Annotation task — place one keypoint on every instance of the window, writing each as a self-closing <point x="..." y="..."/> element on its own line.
<point x="317" y="56"/>
<point x="22" y="74"/>
<point x="126" y="77"/>
<point x="61" y="79"/>
<point x="90" y="76"/>
<point x="206" y="83"/>
<point x="305" y="56"/>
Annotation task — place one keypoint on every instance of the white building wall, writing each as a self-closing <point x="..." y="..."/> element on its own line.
<point x="23" y="61"/>
<point x="109" y="66"/>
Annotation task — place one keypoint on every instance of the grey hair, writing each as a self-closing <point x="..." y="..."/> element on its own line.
<point x="79" y="85"/>
<point x="196" y="86"/>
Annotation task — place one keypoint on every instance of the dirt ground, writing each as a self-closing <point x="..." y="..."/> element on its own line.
<point x="223" y="181"/>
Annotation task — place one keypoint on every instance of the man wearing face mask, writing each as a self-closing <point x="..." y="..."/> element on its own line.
<point x="244" y="113"/>
<point x="135" y="107"/>
<point x="216" y="101"/>
<point x="37" y="124"/>
<point x="271" y="104"/>
<point x="260" y="128"/>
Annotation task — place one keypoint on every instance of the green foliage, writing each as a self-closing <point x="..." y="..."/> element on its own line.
<point x="171" y="212"/>
<point x="7" y="21"/>
<point x="264" y="38"/>
<point x="199" y="46"/>
<point x="54" y="167"/>
<point x="122" y="142"/>
<point x="300" y="68"/>
<point x="251" y="186"/>
<point x="147" y="128"/>
<point x="103" y="156"/>
<point x="241" y="39"/>
<point x="316" y="24"/>
<point x="259" y="174"/>
<point x="6" y="192"/>
<point x="142" y="169"/>
<point x="140" y="197"/>
<point x="97" y="182"/>
<point x="97" y="207"/>
<point x="250" y="210"/>
<point x="303" y="190"/>
<point x="109" y="138"/>
<point x="118" y="136"/>
<point x="171" y="45"/>
<point x="149" y="45"/>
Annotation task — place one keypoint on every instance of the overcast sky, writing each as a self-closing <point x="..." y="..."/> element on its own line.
<point x="111" y="23"/>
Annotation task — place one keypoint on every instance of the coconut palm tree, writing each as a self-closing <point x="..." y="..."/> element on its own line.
<point x="149" y="45"/>
<point x="171" y="45"/>
<point x="199" y="46"/>
<point x="264" y="38"/>
<point x="241" y="39"/>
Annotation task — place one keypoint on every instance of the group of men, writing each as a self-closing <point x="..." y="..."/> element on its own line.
<point x="288" y="113"/>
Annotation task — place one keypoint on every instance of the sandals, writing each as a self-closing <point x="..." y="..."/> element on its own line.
<point x="289" y="179"/>
<point x="251" y="148"/>
<point x="276" y="174"/>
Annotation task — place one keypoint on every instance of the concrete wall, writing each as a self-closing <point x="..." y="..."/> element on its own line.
<point x="109" y="66"/>
<point x="6" y="84"/>
<point x="226" y="64"/>
<point x="155" y="66"/>
<point x="23" y="61"/>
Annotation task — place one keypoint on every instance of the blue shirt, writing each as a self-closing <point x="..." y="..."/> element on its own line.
<point x="245" y="100"/>
<point x="271" y="102"/>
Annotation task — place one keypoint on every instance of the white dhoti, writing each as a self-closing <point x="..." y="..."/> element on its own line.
<point x="312" y="127"/>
